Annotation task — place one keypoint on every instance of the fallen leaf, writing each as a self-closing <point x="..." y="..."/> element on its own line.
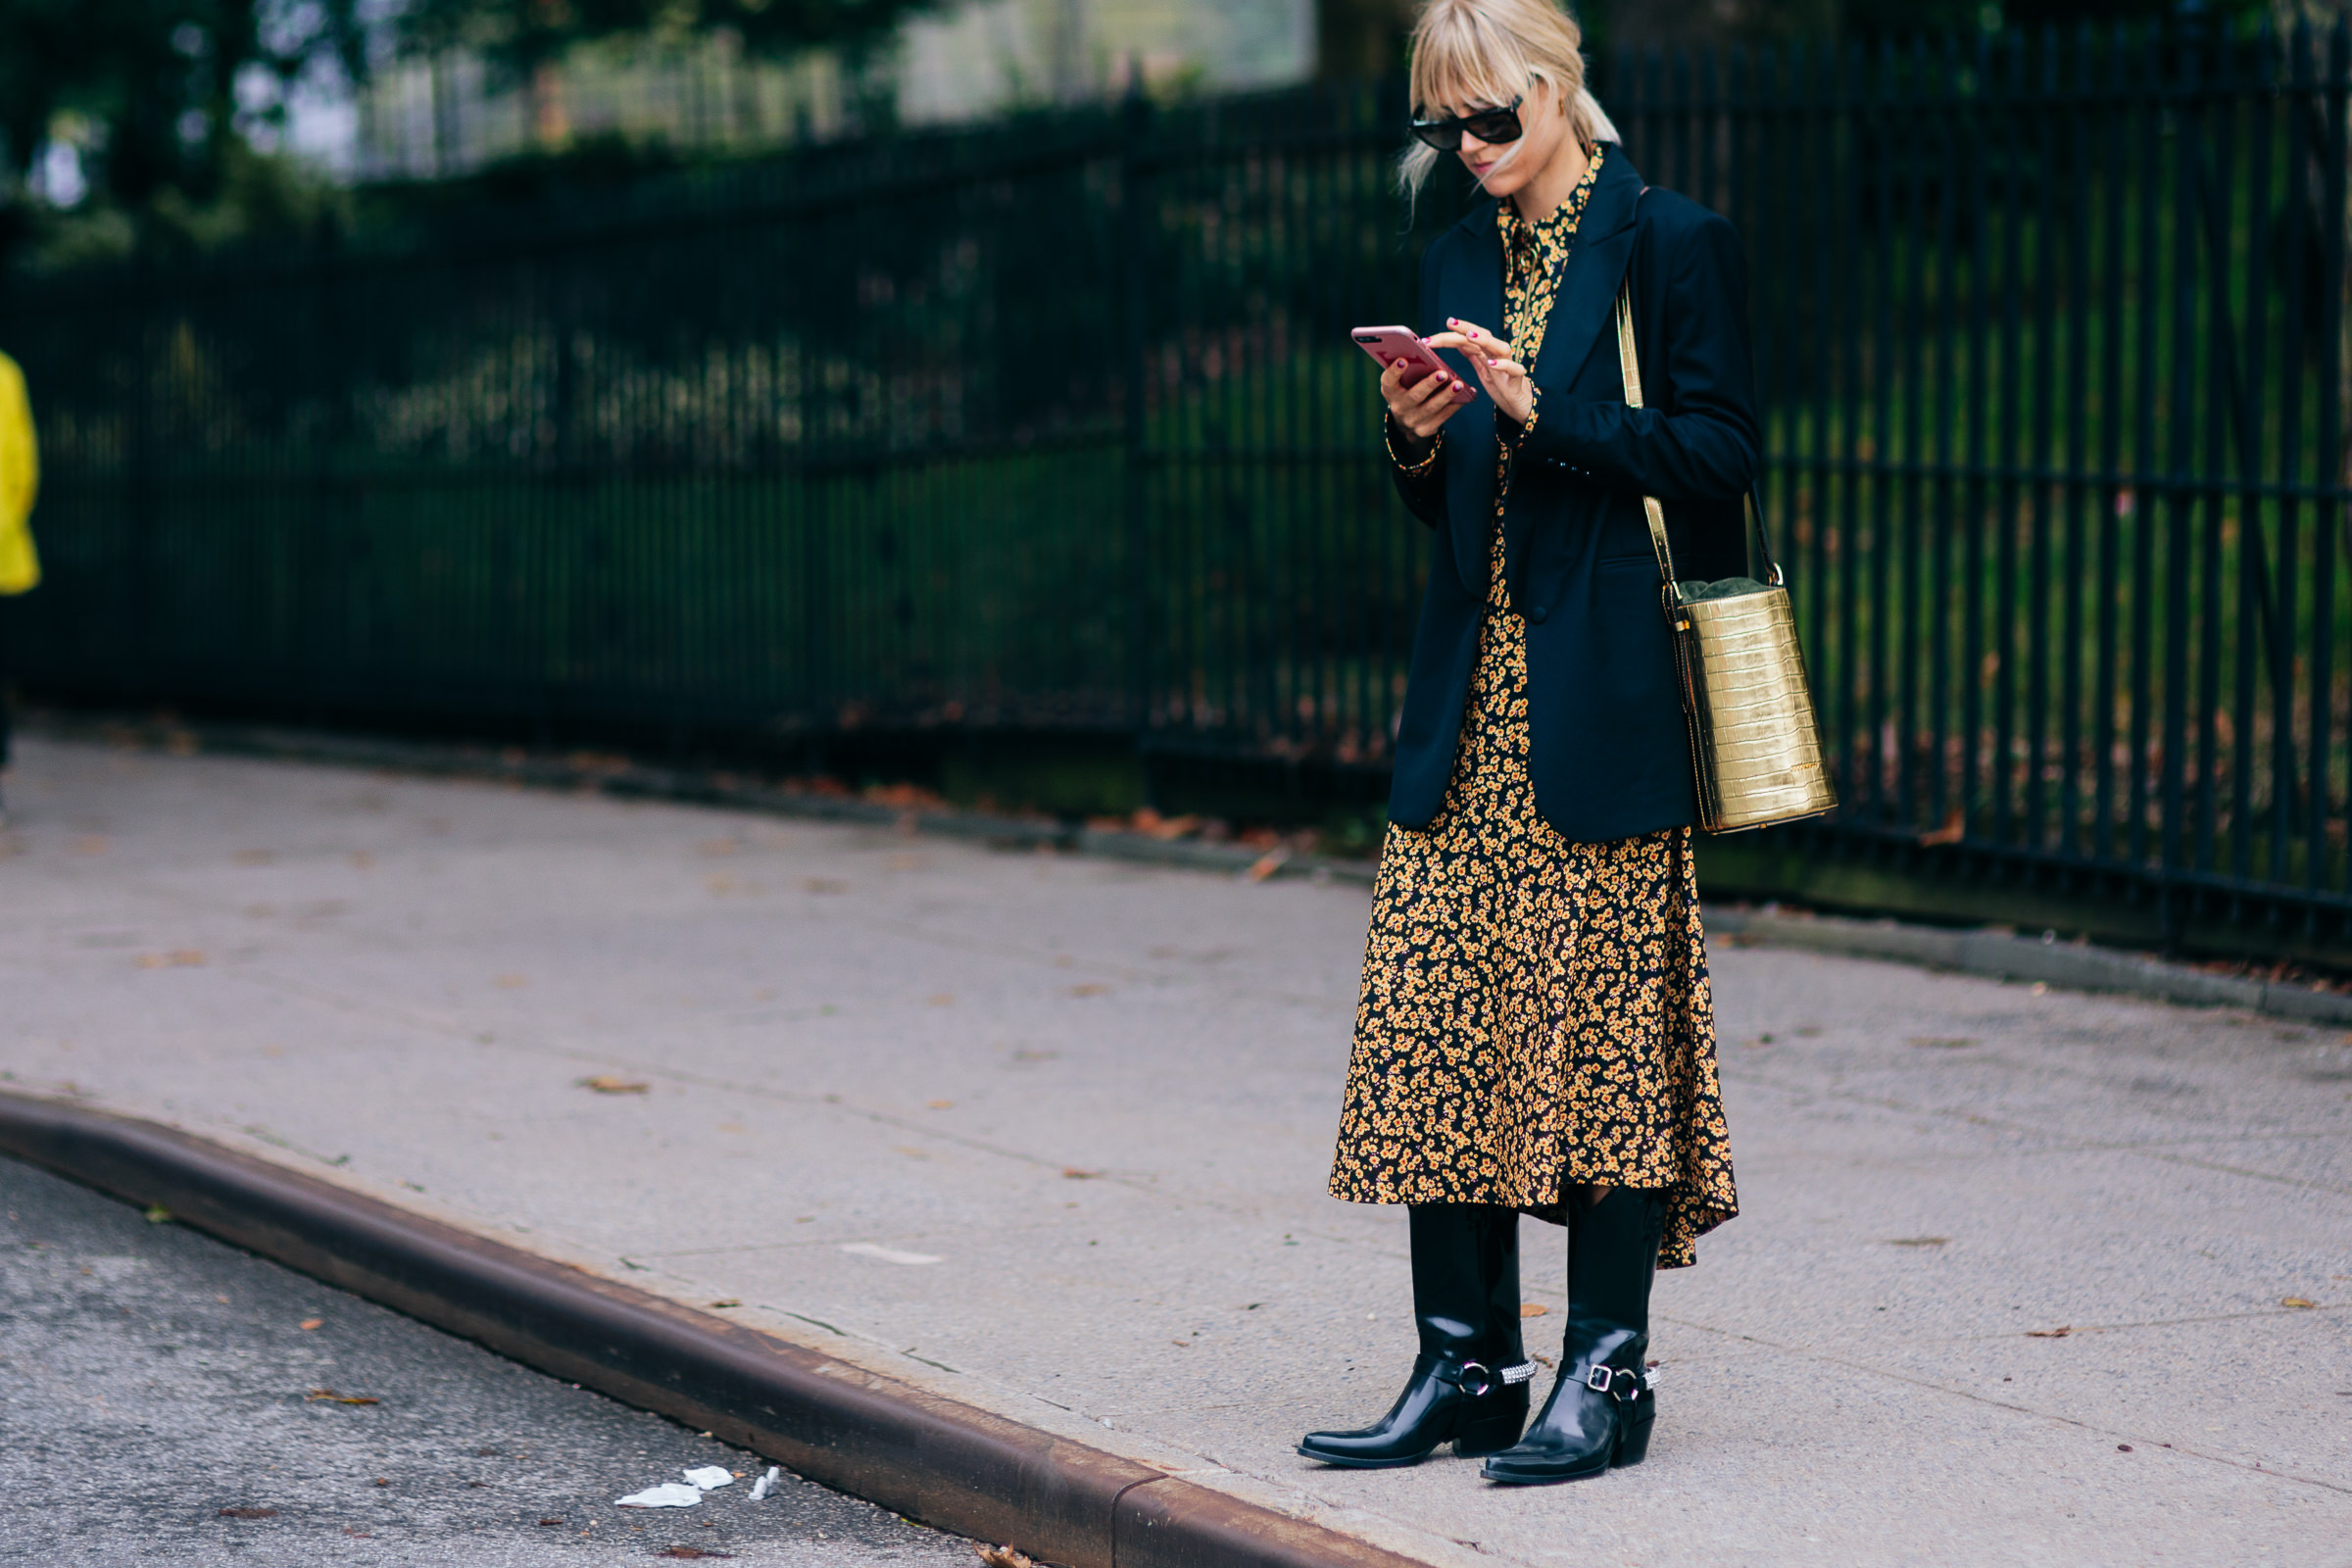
<point x="512" y="982"/>
<point x="1073" y="1173"/>
<point x="910" y="1151"/>
<point x="381" y="1482"/>
<point x="1266" y="865"/>
<point x="545" y="1523"/>
<point x="726" y="1300"/>
<point x="177" y="958"/>
<point x="157" y="1214"/>
<point x="1091" y="988"/>
<point x="2059" y="1332"/>
<point x="691" y="1552"/>
<point x="1939" y="1042"/>
<point x="1954" y="829"/>
<point x="943" y="999"/>
<point x="330" y="1396"/>
<point x="605" y="1083"/>
<point x="248" y="1513"/>
<point x="310" y="1323"/>
<point x="2123" y="1447"/>
<point x="1534" y="1310"/>
<point x="1003" y="1556"/>
<point x="1182" y="1345"/>
<point x="1920" y="1241"/>
<point x="2297" y="1301"/>
<point x="939" y="1104"/>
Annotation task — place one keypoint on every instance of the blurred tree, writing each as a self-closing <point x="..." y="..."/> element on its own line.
<point x="520" y="34"/>
<point x="159" y="86"/>
<point x="163" y="97"/>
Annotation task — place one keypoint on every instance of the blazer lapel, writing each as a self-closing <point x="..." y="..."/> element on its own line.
<point x="1604" y="245"/>
<point x="1472" y="291"/>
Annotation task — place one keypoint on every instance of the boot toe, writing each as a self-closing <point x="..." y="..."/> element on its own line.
<point x="1518" y="1467"/>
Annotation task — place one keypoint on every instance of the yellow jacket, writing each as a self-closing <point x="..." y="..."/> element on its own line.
<point x="20" y="478"/>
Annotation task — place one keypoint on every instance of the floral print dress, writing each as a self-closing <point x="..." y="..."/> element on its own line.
<point x="1534" y="1013"/>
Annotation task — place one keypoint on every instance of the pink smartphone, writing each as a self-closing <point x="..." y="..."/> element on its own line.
<point x="1388" y="344"/>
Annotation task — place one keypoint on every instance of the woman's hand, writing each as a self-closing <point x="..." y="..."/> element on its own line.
<point x="1504" y="377"/>
<point x="1422" y="407"/>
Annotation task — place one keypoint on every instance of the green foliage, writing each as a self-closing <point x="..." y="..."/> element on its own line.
<point x="257" y="199"/>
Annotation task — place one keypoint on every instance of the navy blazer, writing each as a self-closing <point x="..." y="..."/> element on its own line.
<point x="1608" y="752"/>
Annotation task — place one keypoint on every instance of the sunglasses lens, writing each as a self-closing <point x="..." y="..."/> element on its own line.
<point x="1445" y="135"/>
<point x="1494" y="125"/>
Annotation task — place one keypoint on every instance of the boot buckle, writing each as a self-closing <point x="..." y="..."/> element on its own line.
<point x="1621" y="1384"/>
<point x="1474" y="1378"/>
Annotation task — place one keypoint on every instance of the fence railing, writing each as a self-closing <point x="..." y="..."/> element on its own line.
<point x="1057" y="425"/>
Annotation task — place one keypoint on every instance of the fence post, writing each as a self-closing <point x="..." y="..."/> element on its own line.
<point x="1135" y="129"/>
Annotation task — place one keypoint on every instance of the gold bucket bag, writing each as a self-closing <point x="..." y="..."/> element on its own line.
<point x="1756" y="741"/>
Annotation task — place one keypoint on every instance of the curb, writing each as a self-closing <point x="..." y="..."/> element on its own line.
<point x="922" y="1455"/>
<point x="2003" y="955"/>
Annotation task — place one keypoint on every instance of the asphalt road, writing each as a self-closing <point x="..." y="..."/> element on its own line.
<point x="165" y="1399"/>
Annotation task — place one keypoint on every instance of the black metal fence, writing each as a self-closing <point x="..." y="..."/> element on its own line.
<point x="1055" y="425"/>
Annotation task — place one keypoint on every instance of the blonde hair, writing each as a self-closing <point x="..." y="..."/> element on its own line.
<point x="1493" y="51"/>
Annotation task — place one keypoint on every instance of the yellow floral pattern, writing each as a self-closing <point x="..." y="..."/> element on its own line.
<point x="1534" y="1013"/>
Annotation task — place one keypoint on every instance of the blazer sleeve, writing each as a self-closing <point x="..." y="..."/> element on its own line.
<point x="1423" y="488"/>
<point x="1710" y="446"/>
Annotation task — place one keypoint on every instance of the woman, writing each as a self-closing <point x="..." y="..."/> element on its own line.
<point x="1535" y="1034"/>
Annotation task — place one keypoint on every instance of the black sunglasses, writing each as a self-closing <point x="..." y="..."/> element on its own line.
<point x="1490" y="125"/>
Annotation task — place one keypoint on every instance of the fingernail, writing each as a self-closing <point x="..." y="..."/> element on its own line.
<point x="1474" y="331"/>
<point x="1457" y="386"/>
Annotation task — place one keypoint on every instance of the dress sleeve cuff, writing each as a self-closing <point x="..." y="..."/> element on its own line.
<point x="1410" y="470"/>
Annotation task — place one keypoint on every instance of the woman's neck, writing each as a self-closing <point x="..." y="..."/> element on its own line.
<point x="1555" y="183"/>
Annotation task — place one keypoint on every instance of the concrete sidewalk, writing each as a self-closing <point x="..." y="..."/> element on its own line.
<point x="1049" y="1135"/>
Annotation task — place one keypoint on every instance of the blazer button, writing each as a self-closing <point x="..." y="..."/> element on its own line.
<point x="1538" y="614"/>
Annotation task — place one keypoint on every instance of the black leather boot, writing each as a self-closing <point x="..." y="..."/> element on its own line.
<point x="1469" y="1384"/>
<point x="1601" y="1408"/>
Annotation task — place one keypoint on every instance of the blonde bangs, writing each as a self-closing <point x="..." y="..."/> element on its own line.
<point x="1462" y="60"/>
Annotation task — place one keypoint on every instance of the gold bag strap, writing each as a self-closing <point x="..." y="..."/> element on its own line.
<point x="1630" y="364"/>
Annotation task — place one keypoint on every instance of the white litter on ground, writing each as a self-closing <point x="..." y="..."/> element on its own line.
<point x="669" y="1494"/>
<point x="888" y="1254"/>
<point x="766" y="1482"/>
<point x="711" y="1477"/>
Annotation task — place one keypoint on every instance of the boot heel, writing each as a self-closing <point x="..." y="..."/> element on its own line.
<point x="1488" y="1435"/>
<point x="1633" y="1443"/>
